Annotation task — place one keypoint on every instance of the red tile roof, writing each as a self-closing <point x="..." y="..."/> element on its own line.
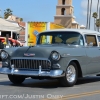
<point x="21" y="24"/>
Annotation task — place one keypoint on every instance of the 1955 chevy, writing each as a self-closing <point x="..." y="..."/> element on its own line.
<point x="64" y="54"/>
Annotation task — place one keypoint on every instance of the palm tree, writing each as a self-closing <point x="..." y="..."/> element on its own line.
<point x="21" y="19"/>
<point x="98" y="24"/>
<point x="87" y="15"/>
<point x="95" y="15"/>
<point x="7" y="13"/>
<point x="97" y="9"/>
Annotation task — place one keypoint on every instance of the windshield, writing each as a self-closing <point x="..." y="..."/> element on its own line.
<point x="72" y="38"/>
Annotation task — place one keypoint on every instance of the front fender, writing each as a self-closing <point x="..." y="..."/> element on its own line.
<point x="64" y="62"/>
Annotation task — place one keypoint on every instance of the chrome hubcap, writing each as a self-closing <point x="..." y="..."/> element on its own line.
<point x="71" y="73"/>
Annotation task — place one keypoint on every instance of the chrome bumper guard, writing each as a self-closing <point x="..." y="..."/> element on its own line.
<point x="52" y="73"/>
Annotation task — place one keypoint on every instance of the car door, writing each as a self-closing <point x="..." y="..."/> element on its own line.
<point x="93" y="54"/>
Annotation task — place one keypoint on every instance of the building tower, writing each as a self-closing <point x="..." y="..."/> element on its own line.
<point x="64" y="14"/>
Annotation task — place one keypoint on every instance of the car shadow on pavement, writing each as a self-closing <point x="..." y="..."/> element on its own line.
<point x="33" y="83"/>
<point x="88" y="79"/>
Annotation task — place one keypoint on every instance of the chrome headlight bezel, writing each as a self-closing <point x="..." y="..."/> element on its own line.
<point x="3" y="55"/>
<point x="55" y="56"/>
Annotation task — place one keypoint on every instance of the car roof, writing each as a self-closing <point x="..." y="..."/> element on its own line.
<point x="81" y="31"/>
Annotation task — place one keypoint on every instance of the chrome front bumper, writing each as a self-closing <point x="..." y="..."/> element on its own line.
<point x="52" y="73"/>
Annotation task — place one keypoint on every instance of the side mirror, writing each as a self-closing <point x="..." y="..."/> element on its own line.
<point x="90" y="44"/>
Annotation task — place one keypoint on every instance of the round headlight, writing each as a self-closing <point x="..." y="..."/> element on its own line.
<point x="4" y="55"/>
<point x="55" y="56"/>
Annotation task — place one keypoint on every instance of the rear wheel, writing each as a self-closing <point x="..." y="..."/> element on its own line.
<point x="71" y="75"/>
<point x="16" y="79"/>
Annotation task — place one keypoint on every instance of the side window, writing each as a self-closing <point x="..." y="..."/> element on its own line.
<point x="91" y="39"/>
<point x="99" y="40"/>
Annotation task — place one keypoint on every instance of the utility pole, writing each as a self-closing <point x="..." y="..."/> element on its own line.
<point x="97" y="8"/>
<point x="87" y="15"/>
<point x="90" y="14"/>
<point x="99" y="12"/>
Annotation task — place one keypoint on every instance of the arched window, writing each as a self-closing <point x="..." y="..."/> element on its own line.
<point x="63" y="11"/>
<point x="63" y="2"/>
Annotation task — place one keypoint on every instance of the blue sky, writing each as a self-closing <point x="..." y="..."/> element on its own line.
<point x="38" y="10"/>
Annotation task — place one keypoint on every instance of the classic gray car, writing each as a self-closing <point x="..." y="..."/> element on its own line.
<point x="64" y="54"/>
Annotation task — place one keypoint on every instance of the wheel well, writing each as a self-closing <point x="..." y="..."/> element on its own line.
<point x="79" y="68"/>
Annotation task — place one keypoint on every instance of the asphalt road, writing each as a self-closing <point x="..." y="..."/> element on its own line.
<point x="85" y="89"/>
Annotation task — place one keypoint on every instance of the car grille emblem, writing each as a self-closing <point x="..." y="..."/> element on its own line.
<point x="29" y="54"/>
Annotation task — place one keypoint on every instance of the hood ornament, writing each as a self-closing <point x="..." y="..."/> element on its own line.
<point x="29" y="54"/>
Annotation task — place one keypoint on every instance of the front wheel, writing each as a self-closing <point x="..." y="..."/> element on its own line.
<point x="16" y="79"/>
<point x="71" y="75"/>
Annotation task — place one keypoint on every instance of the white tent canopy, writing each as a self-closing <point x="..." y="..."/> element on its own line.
<point x="8" y="26"/>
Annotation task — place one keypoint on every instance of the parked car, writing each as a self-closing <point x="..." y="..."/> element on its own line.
<point x="64" y="54"/>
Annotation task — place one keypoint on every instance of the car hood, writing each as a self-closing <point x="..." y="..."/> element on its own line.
<point x="43" y="51"/>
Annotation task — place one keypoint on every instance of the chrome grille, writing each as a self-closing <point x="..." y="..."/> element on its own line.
<point x="30" y="64"/>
